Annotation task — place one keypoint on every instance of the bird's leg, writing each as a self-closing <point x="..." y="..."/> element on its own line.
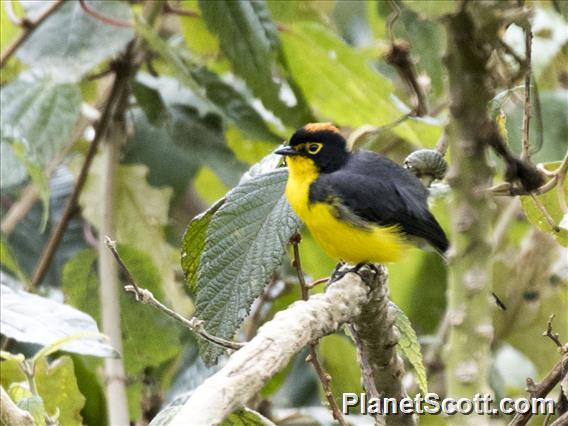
<point x="336" y="275"/>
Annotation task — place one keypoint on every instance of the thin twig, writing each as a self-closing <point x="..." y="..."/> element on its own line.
<point x="107" y="20"/>
<point x="543" y="388"/>
<point x="49" y="249"/>
<point x="145" y="296"/>
<point x="544" y="212"/>
<point x="29" y="28"/>
<point x="527" y="103"/>
<point x="317" y="282"/>
<point x="555" y="337"/>
<point x="312" y="358"/>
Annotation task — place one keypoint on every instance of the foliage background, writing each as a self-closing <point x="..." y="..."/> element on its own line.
<point x="222" y="85"/>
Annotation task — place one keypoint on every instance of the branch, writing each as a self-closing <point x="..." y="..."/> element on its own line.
<point x="555" y="337"/>
<point x="114" y="372"/>
<point x="29" y="28"/>
<point x="145" y="296"/>
<point x="470" y="133"/>
<point x="11" y="414"/>
<point x="274" y="345"/>
<point x="527" y="103"/>
<point x="543" y="388"/>
<point x="324" y="378"/>
<point x="376" y="339"/>
<point x="399" y="57"/>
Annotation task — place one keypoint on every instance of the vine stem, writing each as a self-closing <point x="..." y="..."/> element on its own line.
<point x="312" y="358"/>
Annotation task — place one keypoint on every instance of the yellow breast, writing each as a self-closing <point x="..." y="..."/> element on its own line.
<point x="339" y="239"/>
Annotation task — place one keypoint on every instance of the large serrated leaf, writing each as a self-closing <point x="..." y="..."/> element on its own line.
<point x="245" y="243"/>
<point x="30" y="318"/>
<point x="410" y="347"/>
<point x="249" y="39"/>
<point x="71" y="42"/>
<point x="341" y="86"/>
<point x="193" y="243"/>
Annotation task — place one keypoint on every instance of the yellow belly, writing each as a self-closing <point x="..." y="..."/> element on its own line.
<point x="339" y="239"/>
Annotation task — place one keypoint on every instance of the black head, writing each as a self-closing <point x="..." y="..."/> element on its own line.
<point x="320" y="142"/>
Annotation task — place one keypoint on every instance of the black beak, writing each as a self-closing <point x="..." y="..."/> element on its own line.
<point x="287" y="151"/>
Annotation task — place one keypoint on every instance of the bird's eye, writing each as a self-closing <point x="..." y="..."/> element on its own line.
<point x="314" y="148"/>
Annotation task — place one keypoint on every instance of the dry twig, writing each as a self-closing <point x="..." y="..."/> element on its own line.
<point x="29" y="27"/>
<point x="145" y="296"/>
<point x="312" y="358"/>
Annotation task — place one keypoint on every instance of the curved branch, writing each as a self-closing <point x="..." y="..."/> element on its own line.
<point x="275" y="343"/>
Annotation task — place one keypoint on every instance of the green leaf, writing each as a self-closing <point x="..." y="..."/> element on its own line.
<point x="206" y="143"/>
<point x="168" y="163"/>
<point x="233" y="105"/>
<point x="59" y="344"/>
<point x="34" y="405"/>
<point x="206" y="84"/>
<point x="8" y="261"/>
<point x="31" y="318"/>
<point x="150" y="100"/>
<point x="39" y="179"/>
<point x="339" y="358"/>
<point x="71" y="42"/>
<point x="246" y="417"/>
<point x="149" y="337"/>
<point x="554" y="131"/>
<point x="57" y="386"/>
<point x="550" y="202"/>
<point x="141" y="214"/>
<point x="249" y="39"/>
<point x="11" y="371"/>
<point x="177" y="64"/>
<point x="193" y="243"/>
<point x="12" y="171"/>
<point x="39" y="114"/>
<point x="340" y="85"/>
<point x="141" y="324"/>
<point x="245" y="243"/>
<point x="410" y="347"/>
<point x="196" y="35"/>
<point x="433" y="9"/>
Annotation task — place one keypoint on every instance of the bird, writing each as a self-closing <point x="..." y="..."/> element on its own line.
<point x="360" y="206"/>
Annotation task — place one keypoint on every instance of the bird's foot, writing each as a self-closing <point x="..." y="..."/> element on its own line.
<point x="340" y="271"/>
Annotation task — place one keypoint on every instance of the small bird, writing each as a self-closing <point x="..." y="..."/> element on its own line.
<point x="360" y="206"/>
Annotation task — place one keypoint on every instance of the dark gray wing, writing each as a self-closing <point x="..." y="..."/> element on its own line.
<point x="374" y="189"/>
